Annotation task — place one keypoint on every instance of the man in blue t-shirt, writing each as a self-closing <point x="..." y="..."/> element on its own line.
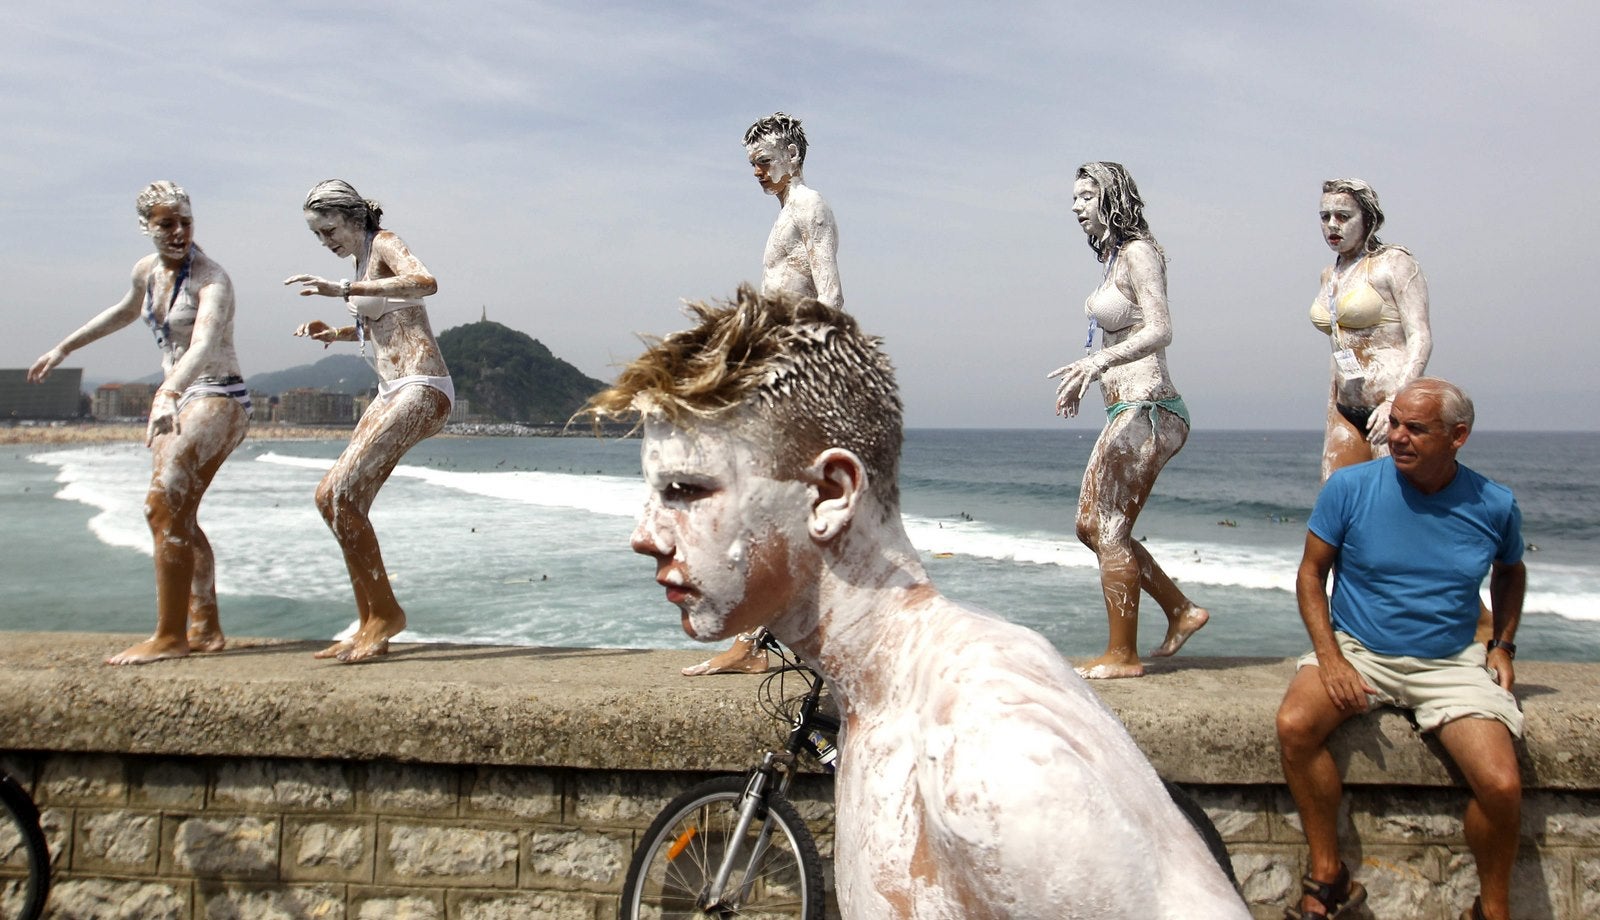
<point x="1408" y="539"/>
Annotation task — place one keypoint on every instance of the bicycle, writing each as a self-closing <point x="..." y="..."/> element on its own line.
<point x="24" y="856"/>
<point x="735" y="846"/>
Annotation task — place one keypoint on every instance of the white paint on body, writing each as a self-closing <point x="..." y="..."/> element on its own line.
<point x="403" y="345"/>
<point x="713" y="523"/>
<point x="1132" y="449"/>
<point x="982" y="778"/>
<point x="188" y="446"/>
<point x="801" y="255"/>
<point x="1392" y="354"/>
<point x="979" y="776"/>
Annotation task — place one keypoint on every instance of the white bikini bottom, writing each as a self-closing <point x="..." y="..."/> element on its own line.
<point x="387" y="388"/>
<point x="231" y="387"/>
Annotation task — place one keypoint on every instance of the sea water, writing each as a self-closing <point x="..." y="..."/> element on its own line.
<point x="525" y="540"/>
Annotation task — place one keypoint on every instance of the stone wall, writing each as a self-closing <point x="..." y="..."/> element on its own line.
<point x="174" y="838"/>
<point x="459" y="782"/>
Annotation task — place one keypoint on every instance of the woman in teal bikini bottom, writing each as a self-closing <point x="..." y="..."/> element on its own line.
<point x="1129" y="309"/>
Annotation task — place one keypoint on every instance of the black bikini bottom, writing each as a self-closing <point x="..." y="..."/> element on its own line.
<point x="1356" y="415"/>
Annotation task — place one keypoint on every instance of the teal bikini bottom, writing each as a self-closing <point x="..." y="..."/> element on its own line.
<point x="1173" y="404"/>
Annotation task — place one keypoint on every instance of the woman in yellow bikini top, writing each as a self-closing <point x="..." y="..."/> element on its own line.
<point x="1373" y="306"/>
<point x="1359" y="305"/>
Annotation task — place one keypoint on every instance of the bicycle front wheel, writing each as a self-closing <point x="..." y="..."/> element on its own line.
<point x="24" y="857"/>
<point x="686" y="844"/>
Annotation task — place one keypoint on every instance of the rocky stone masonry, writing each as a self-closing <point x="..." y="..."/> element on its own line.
<point x="190" y="837"/>
<point x="489" y="783"/>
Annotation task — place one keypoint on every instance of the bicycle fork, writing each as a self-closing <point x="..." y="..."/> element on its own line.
<point x="754" y="801"/>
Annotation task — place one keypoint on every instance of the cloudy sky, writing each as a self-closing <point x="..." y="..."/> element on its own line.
<point x="575" y="169"/>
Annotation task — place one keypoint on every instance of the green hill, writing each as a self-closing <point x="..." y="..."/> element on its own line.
<point x="512" y="376"/>
<point x="336" y="373"/>
<point x="506" y="375"/>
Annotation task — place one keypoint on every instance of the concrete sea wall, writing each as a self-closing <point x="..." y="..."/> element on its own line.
<point x="495" y="783"/>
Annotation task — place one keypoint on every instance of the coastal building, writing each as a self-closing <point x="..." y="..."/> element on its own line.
<point x="123" y="400"/>
<point x="260" y="406"/>
<point x="58" y="397"/>
<point x="308" y="406"/>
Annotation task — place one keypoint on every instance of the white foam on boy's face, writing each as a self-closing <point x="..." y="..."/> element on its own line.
<point x="719" y="526"/>
<point x="773" y="165"/>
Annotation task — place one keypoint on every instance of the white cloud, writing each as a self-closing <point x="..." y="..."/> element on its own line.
<point x="576" y="169"/>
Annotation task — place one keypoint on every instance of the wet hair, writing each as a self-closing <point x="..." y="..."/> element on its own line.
<point x="339" y="195"/>
<point x="1366" y="198"/>
<point x="783" y="129"/>
<point x="163" y="191"/>
<point x="810" y="376"/>
<point x="1120" y="207"/>
<point x="1455" y="406"/>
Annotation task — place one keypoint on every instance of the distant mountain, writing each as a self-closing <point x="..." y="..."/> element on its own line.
<point x="512" y="376"/>
<point x="337" y="373"/>
<point x="504" y="374"/>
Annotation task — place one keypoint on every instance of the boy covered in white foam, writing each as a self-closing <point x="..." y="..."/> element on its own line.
<point x="978" y="775"/>
<point x="801" y="258"/>
<point x="803" y="248"/>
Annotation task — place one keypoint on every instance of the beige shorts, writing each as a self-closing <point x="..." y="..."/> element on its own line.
<point x="1436" y="690"/>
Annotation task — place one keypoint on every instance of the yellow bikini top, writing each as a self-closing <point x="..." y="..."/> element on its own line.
<point x="1360" y="306"/>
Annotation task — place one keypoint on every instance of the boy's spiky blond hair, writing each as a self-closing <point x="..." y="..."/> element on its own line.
<point x="806" y="370"/>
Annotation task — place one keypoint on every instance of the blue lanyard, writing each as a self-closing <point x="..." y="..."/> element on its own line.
<point x="1094" y="324"/>
<point x="163" y="332"/>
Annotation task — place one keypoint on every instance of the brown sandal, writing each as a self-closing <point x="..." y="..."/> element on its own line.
<point x="1336" y="897"/>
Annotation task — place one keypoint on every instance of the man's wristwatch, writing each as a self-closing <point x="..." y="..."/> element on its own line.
<point x="1510" y="647"/>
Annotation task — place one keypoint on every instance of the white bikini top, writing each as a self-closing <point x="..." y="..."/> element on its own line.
<point x="370" y="308"/>
<point x="1110" y="310"/>
<point x="176" y="326"/>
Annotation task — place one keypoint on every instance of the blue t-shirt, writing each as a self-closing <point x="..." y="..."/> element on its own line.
<point x="1409" y="567"/>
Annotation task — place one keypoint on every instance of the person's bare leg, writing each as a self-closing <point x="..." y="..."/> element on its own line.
<point x="387" y="430"/>
<point x="344" y="496"/>
<point x="1120" y="474"/>
<point x="205" y="621"/>
<point x="1306" y="718"/>
<point x="1343" y="445"/>
<point x="1119" y="583"/>
<point x="1184" y="617"/>
<point x="185" y="463"/>
<point x="1483" y="750"/>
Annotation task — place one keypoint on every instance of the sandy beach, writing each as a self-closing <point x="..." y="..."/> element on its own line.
<point x="95" y="433"/>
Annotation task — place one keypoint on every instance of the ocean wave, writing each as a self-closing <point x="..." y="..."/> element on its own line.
<point x="597" y="494"/>
<point x="1191" y="562"/>
<point x="463" y="533"/>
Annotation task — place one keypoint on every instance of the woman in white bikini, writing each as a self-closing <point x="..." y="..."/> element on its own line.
<point x="1373" y="306"/>
<point x="199" y="415"/>
<point x="414" y="392"/>
<point x="1146" y="420"/>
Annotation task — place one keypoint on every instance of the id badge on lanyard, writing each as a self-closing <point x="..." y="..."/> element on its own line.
<point x="1349" y="364"/>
